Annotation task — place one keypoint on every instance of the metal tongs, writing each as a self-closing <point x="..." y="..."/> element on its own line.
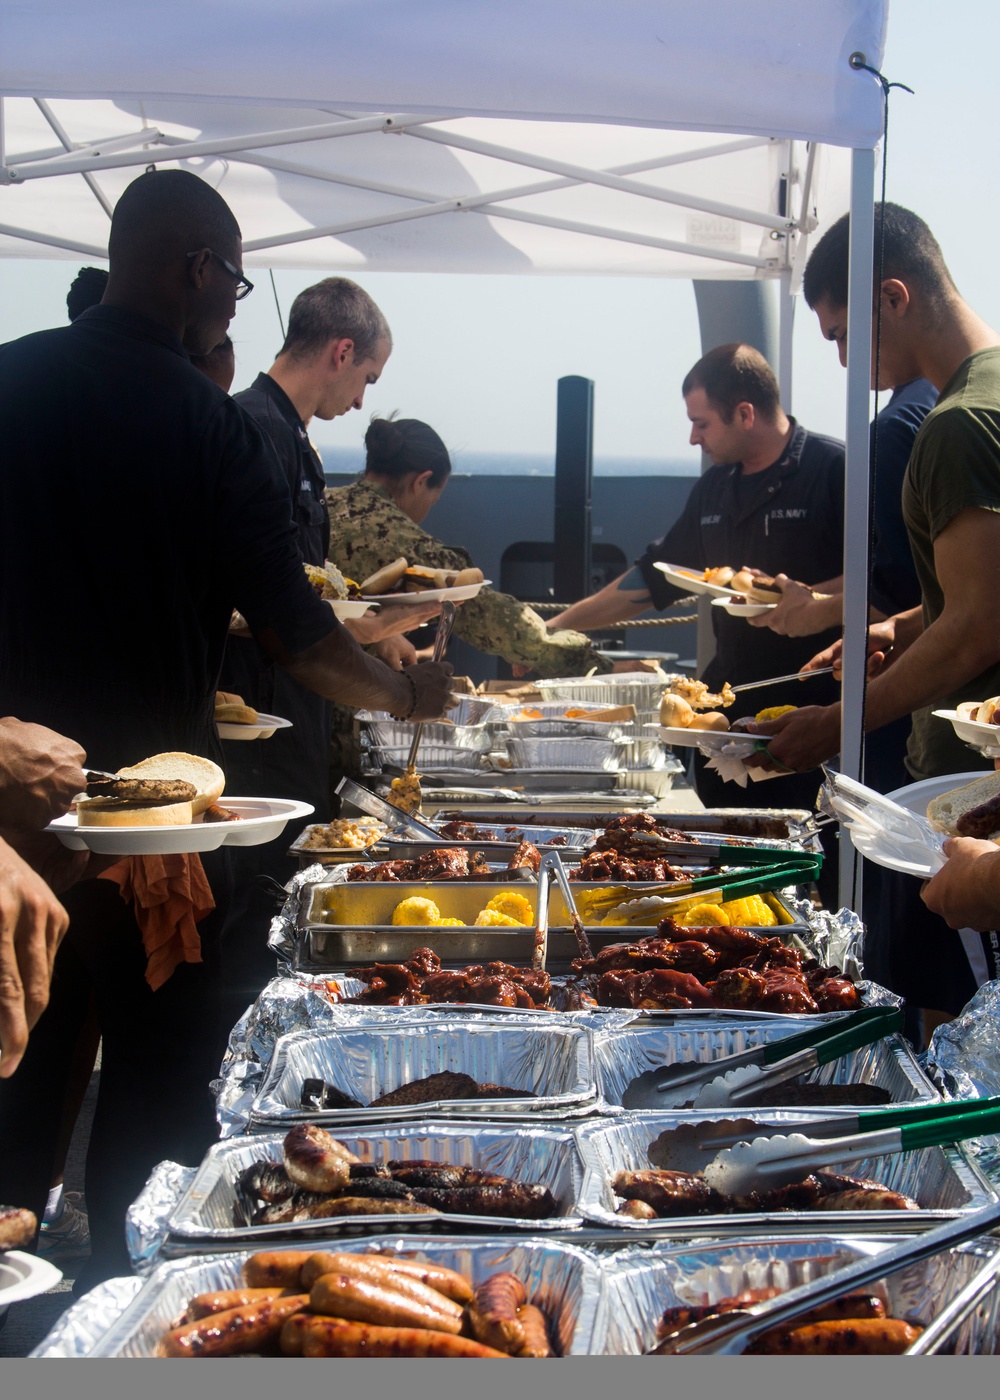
<point x="779" y="680"/>
<point x="441" y="638"/>
<point x="730" y="1333"/>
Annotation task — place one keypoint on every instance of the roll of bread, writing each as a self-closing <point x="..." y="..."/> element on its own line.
<point x="764" y="590"/>
<point x="675" y="713"/>
<point x="235" y="713"/>
<point x="970" y="810"/>
<point x="386" y="579"/>
<point x="109" y="811"/>
<point x="710" y="719"/>
<point x="721" y="576"/>
<point x="205" y="777"/>
<point x="741" y="582"/>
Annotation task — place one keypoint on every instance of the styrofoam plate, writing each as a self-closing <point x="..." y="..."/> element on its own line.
<point x="261" y="820"/>
<point x="266" y="726"/>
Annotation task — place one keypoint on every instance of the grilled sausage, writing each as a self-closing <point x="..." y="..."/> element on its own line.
<point x="361" y="1300"/>
<point x="205" y="1304"/>
<point x="870" y="1336"/>
<point x="313" y="1159"/>
<point x="536" y="1331"/>
<point x="513" y="1200"/>
<point x="378" y="1271"/>
<point x="636" y="1210"/>
<point x="669" y="1193"/>
<point x="235" y="1331"/>
<point x="361" y="1205"/>
<point x="278" y="1269"/>
<point x="880" y="1199"/>
<point x="308" y="1335"/>
<point x="443" y="1174"/>
<point x="493" y="1312"/>
<point x="442" y="1280"/>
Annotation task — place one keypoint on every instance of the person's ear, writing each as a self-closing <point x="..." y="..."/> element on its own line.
<point x="197" y="267"/>
<point x="422" y="481"/>
<point x="745" y="415"/>
<point x="895" y="297"/>
<point x="340" y="353"/>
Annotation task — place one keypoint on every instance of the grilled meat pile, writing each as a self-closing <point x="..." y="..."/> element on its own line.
<point x="620" y="835"/>
<point x="611" y="865"/>
<point x="421" y="979"/>
<point x="434" y="1088"/>
<point x="319" y="1179"/>
<point x="856" y="1324"/>
<point x="443" y="863"/>
<point x="468" y="831"/>
<point x="714" y="968"/>
<point x="651" y="1195"/>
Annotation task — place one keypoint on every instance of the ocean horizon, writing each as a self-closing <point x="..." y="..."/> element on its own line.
<point x="337" y="460"/>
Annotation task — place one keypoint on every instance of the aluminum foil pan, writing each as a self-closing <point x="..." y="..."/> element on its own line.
<point x="656" y="782"/>
<point x="82" y="1326"/>
<point x="448" y="756"/>
<point x="563" y="1281"/>
<point x="544" y="1153"/>
<point x="588" y="754"/>
<point x="501" y="842"/>
<point x="640" y="1285"/>
<point x="623" y="1053"/>
<point x="942" y="1179"/>
<point x="395" y="734"/>
<point x="556" y="728"/>
<point x="625" y="689"/>
<point x="468" y="710"/>
<point x="643" y="753"/>
<point x="553" y="1062"/>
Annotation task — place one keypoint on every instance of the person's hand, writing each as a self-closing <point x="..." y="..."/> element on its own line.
<point x="880" y="645"/>
<point x="806" y="738"/>
<point x="396" y="652"/>
<point x="433" y="682"/>
<point x="795" y="615"/>
<point x="32" y="925"/>
<point x="40" y="774"/>
<point x="966" y="890"/>
<point x="58" y="866"/>
<point x="519" y="671"/>
<point x="391" y="621"/>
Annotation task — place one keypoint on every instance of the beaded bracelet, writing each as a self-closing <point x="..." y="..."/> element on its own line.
<point x="413" y="698"/>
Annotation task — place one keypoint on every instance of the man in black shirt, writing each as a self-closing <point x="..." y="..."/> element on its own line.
<point x="139" y="502"/>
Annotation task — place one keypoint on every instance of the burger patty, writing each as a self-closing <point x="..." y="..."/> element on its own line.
<point x="146" y="790"/>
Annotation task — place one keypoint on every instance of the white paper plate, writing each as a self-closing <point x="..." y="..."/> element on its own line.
<point x="891" y="850"/>
<point x="984" y="737"/>
<point x="432" y="595"/>
<point x="692" y="580"/>
<point x="262" y="820"/>
<point x="24" y="1276"/>
<point x="742" y="609"/>
<point x="263" y="729"/>
<point x="344" y="608"/>
<point x="736" y="745"/>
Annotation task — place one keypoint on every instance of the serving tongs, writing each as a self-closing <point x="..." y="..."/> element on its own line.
<point x="726" y="1133"/>
<point x="713" y="850"/>
<point x="727" y="1082"/>
<point x="552" y="860"/>
<point x="409" y="783"/>
<point x="767" y="1163"/>
<point x="730" y="1333"/>
<point x="780" y="680"/>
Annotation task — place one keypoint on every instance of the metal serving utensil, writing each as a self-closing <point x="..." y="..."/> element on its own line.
<point x="779" y="680"/>
<point x="552" y="860"/>
<point x="727" y="1132"/>
<point x="409" y="783"/>
<point x="540" y="950"/>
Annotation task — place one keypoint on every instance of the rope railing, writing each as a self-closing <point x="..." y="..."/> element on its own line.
<point x="639" y="622"/>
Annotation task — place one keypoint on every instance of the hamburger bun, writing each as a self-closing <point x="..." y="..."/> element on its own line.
<point x="110" y="811"/>
<point x="764" y="590"/>
<point x="741" y="582"/>
<point x="416" y="578"/>
<point x="986" y="713"/>
<point x="970" y="810"/>
<point x="386" y="579"/>
<point x="235" y="713"/>
<point x="711" y="719"/>
<point x="675" y="713"/>
<point x="721" y="576"/>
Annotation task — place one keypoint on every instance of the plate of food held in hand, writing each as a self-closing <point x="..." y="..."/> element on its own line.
<point x="234" y="719"/>
<point x="342" y="593"/>
<point x="403" y="582"/>
<point x="719" y="583"/>
<point x="681" y="724"/>
<point x="166" y="804"/>
<point x="977" y="723"/>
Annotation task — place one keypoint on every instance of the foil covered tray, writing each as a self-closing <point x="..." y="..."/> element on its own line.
<point x="500" y="843"/>
<point x="396" y="734"/>
<point x="553" y="1062"/>
<point x="942" y="1179"/>
<point x="585" y="753"/>
<point x="544" y="1153"/>
<point x="622" y="1054"/>
<point x="434" y="757"/>
<point x="560" y="1279"/>
<point x="639" y="1285"/>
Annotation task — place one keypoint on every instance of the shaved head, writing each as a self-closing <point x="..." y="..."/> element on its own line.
<point x="164" y="215"/>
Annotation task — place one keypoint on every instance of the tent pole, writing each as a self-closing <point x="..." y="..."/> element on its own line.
<point x="3" y="148"/>
<point x="856" y="522"/>
<point x="786" y="324"/>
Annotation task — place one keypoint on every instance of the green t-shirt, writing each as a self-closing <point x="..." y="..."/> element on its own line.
<point x="954" y="466"/>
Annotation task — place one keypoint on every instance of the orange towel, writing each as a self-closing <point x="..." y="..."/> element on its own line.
<point x="169" y="895"/>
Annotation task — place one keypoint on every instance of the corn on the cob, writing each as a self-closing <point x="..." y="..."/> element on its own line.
<point x="704" y="916"/>
<point x="749" y="912"/>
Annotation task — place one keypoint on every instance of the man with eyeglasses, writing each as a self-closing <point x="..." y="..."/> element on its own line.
<point x="134" y="486"/>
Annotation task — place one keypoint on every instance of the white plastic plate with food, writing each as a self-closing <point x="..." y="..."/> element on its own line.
<point x="984" y="737"/>
<point x="24" y="1276"/>
<point x="460" y="594"/>
<point x="343" y="608"/>
<point x="742" y="607"/>
<point x="738" y="745"/>
<point x="692" y="580"/>
<point x="266" y="726"/>
<point x="261" y="820"/>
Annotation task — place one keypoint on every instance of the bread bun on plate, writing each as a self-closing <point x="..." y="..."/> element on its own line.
<point x="986" y="712"/>
<point x="675" y="713"/>
<point x="971" y="810"/>
<point x="387" y="578"/>
<point x="741" y="581"/>
<point x="111" y="811"/>
<point x="169" y="789"/>
<point x="764" y="590"/>
<point x="710" y="719"/>
<point x="416" y="578"/>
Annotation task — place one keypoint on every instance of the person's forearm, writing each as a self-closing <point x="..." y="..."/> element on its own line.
<point x="935" y="663"/>
<point x="619" y="601"/>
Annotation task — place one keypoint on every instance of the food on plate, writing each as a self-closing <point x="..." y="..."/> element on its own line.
<point x="421" y="979"/>
<point x="18" y="1227"/>
<point x="773" y="712"/>
<point x="741" y="581"/>
<point x="330" y="583"/>
<point x="698" y="695"/>
<point x="970" y="810"/>
<point x="675" y="712"/>
<point x="720" y="576"/>
<point x="763" y="589"/>
<point x="404" y="577"/>
<point x="353" y="832"/>
<point x="712" y="720"/>
<point x="386" y="579"/>
<point x="293" y="1191"/>
<point x="169" y="789"/>
<point x="233" y="709"/>
<point x="983" y="712"/>
<point x="672" y="1193"/>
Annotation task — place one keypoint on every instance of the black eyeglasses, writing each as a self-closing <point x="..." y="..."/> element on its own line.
<point x="243" y="285"/>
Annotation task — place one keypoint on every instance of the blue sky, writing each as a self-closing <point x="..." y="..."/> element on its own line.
<point x="478" y="357"/>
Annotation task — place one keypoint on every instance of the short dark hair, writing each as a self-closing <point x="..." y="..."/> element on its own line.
<point x="735" y="374"/>
<point x="395" y="447"/>
<point x="166" y="214"/>
<point x="334" y="309"/>
<point x="910" y="253"/>
<point x="85" y="291"/>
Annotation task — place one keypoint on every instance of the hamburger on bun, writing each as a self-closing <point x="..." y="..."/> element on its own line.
<point x="169" y="789"/>
<point x="971" y="810"/>
<point x="764" y="590"/>
<point x="416" y="578"/>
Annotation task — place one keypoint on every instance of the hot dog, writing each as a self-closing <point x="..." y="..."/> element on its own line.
<point x="361" y="1300"/>
<point x="536" y="1331"/>
<point x="279" y="1269"/>
<point x="872" y="1336"/>
<point x="493" y="1312"/>
<point x="867" y="1200"/>
<point x="205" y="1304"/>
<point x="237" y="1330"/>
<point x="378" y="1271"/>
<point x="308" y="1335"/>
<point x="442" y="1280"/>
<point x="315" y="1160"/>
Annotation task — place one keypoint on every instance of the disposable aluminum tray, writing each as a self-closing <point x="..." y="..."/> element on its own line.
<point x="575" y="844"/>
<point x="556" y="728"/>
<point x="647" y="754"/>
<point x="588" y="754"/>
<point x="554" y="1063"/>
<point x="622" y="1054"/>
<point x="643" y="693"/>
<point x="440" y="756"/>
<point x="562" y="1280"/>
<point x="395" y="734"/>
<point x="942" y="1179"/>
<point x="544" y="1153"/>
<point x="639" y="1286"/>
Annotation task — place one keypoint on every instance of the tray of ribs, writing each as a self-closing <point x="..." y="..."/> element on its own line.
<point x="460" y="1065"/>
<point x="384" y="1297"/>
<point x="405" y="1176"/>
<point x="444" y="863"/>
<point x="501" y="840"/>
<point x="626" y="1185"/>
<point x="652" y="1293"/>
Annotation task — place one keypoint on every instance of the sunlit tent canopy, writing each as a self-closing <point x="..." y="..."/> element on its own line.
<point x="641" y="137"/>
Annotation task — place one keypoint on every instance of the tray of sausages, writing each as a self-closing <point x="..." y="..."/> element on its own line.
<point x="643" y="1173"/>
<point x="484" y="1298"/>
<point x="888" y="1069"/>
<point x="395" y="1176"/>
<point x="463" y="1066"/>
<point x="652" y="1293"/>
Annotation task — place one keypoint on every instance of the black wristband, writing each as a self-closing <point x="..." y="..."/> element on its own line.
<point x="413" y="698"/>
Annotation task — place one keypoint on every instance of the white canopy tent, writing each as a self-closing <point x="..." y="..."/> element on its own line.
<point x="644" y="138"/>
